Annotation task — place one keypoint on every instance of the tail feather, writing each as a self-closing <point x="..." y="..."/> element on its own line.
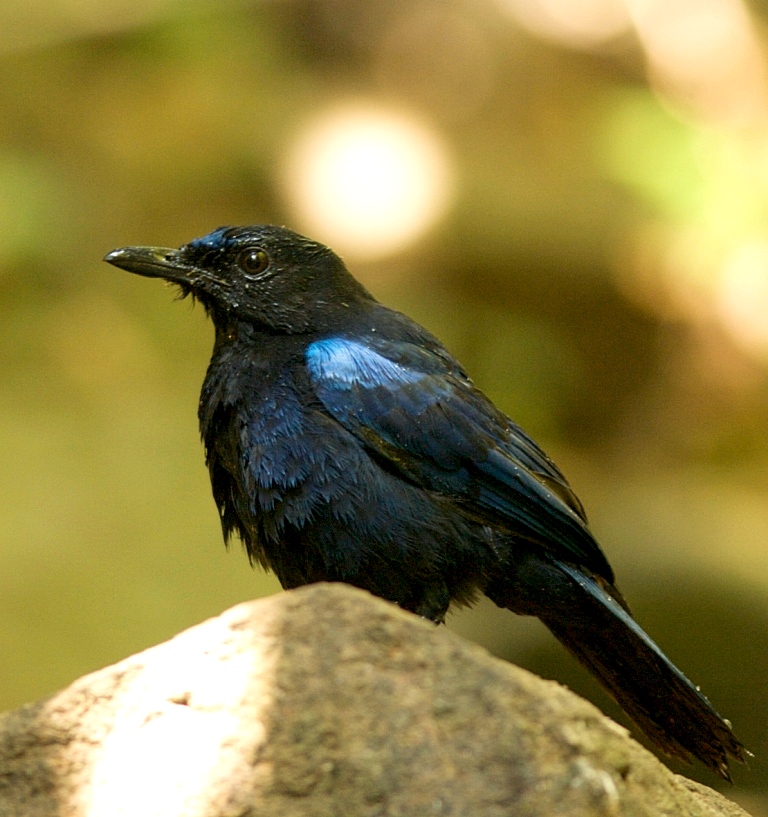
<point x="589" y="621"/>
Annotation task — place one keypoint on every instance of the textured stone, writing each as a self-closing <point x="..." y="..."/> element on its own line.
<point x="327" y="702"/>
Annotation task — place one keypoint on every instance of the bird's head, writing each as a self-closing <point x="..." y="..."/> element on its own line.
<point x="269" y="276"/>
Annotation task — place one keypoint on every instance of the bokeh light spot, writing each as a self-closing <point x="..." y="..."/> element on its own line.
<point x="742" y="297"/>
<point x="575" y="23"/>
<point x="367" y="180"/>
<point x="705" y="54"/>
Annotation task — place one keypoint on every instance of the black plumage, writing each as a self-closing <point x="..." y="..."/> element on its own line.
<point x="344" y="443"/>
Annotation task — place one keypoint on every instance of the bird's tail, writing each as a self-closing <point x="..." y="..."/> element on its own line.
<point x="587" y="619"/>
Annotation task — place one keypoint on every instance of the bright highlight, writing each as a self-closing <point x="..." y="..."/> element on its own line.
<point x="742" y="297"/>
<point x="368" y="181"/>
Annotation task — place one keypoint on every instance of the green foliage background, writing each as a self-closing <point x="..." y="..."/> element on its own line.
<point x="154" y="122"/>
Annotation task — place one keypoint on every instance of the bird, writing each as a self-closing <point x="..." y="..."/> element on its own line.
<point x="346" y="444"/>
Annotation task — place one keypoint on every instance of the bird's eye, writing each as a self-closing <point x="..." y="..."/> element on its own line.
<point x="253" y="260"/>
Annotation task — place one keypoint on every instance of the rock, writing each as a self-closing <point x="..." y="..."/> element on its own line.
<point x="325" y="701"/>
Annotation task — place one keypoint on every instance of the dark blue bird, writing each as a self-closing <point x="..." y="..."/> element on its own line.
<point x="344" y="443"/>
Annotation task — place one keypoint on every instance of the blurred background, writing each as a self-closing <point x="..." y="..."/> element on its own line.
<point x="572" y="194"/>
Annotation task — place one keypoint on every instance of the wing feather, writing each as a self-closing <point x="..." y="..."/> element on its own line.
<point x="421" y="413"/>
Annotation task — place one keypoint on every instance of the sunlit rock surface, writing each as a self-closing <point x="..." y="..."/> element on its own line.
<point x="327" y="701"/>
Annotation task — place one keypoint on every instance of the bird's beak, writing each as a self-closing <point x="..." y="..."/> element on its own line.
<point x="153" y="262"/>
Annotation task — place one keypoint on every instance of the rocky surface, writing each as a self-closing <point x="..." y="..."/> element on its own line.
<point x="327" y="701"/>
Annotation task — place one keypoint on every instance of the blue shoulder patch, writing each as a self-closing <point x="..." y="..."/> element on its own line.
<point x="346" y="363"/>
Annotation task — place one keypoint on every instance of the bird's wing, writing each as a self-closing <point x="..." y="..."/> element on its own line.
<point x="414" y="408"/>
